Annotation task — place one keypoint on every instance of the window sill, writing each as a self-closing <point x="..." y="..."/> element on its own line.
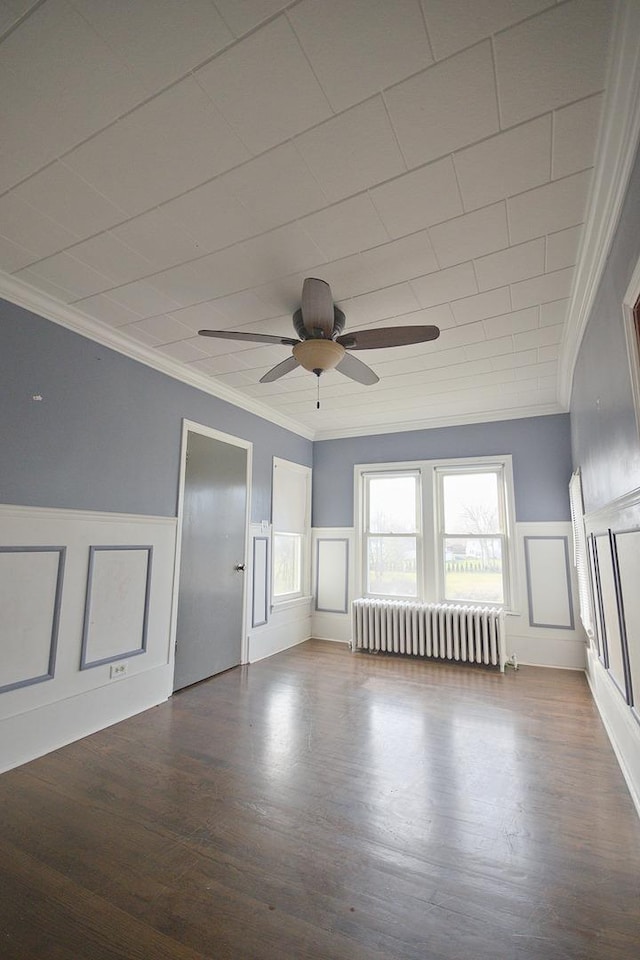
<point x="289" y="604"/>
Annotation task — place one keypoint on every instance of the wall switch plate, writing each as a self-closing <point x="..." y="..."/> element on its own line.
<point x="118" y="670"/>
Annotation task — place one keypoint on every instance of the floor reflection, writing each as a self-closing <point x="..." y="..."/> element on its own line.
<point x="280" y="739"/>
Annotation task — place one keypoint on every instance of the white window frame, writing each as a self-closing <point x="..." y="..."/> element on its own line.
<point x="430" y="563"/>
<point x="495" y="469"/>
<point x="303" y="594"/>
<point x="630" y="299"/>
<point x="366" y="534"/>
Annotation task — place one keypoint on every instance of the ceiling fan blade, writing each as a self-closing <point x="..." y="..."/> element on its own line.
<point x="357" y="370"/>
<point x="279" y="370"/>
<point x="317" y="307"/>
<point x="248" y="337"/>
<point x="387" y="337"/>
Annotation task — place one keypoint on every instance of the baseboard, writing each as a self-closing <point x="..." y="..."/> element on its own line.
<point x="548" y="666"/>
<point x="34" y="733"/>
<point x="331" y="626"/>
<point x="621" y="728"/>
<point x="543" y="651"/>
<point x="269" y="642"/>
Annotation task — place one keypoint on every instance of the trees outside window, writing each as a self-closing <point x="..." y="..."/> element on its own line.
<point x="437" y="531"/>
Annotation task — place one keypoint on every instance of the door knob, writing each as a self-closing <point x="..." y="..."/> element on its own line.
<point x="239" y="566"/>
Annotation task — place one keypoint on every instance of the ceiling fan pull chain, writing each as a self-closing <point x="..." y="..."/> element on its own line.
<point x="318" y="395"/>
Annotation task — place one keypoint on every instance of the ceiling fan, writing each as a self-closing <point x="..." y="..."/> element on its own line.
<point x="322" y="345"/>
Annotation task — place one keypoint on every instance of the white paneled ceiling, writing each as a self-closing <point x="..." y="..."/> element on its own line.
<point x="167" y="166"/>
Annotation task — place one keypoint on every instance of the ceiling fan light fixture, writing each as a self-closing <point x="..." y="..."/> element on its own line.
<point x="318" y="354"/>
<point x="319" y="324"/>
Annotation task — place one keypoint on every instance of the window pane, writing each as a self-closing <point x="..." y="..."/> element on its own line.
<point x="286" y="564"/>
<point x="473" y="569"/>
<point x="391" y="566"/>
<point x="471" y="503"/>
<point x="392" y="504"/>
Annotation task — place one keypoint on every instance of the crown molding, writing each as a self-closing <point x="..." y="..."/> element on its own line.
<point x="616" y="152"/>
<point x="18" y="292"/>
<point x="490" y="416"/>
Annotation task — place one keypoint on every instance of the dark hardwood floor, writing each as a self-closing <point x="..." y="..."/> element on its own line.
<point x="330" y="806"/>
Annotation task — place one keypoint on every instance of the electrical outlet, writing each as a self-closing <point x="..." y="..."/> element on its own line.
<point x="118" y="670"/>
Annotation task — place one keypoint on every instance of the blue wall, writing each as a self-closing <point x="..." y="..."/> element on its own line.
<point x="603" y="424"/>
<point x="106" y="435"/>
<point x="540" y="446"/>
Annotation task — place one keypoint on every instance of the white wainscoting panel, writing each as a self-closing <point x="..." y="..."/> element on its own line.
<point x="117" y="603"/>
<point x="621" y="726"/>
<point x="332" y="574"/>
<point x="278" y="626"/>
<point x="549" y="582"/>
<point x="30" y="594"/>
<point x="552" y="635"/>
<point x="287" y="627"/>
<point x="561" y="645"/>
<point x="615" y="578"/>
<point x="260" y="581"/>
<point x="38" y="717"/>
<point x="610" y="613"/>
<point x="334" y="582"/>
<point x="598" y="640"/>
<point x="628" y="550"/>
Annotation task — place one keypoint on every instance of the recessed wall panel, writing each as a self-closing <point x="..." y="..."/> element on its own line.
<point x="628" y="550"/>
<point x="117" y="603"/>
<point x="30" y="595"/>
<point x="549" y="582"/>
<point x="332" y="573"/>
<point x="260" y="593"/>
<point x="599" y="639"/>
<point x="610" y="612"/>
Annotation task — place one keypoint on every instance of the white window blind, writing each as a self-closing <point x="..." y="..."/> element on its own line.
<point x="290" y="496"/>
<point x="580" y="554"/>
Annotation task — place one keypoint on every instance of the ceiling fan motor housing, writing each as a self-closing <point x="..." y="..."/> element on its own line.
<point x="339" y="321"/>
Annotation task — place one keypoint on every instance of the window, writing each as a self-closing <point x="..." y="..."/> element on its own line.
<point x="437" y="531"/>
<point x="291" y="521"/>
<point x="391" y="534"/>
<point x="472" y="534"/>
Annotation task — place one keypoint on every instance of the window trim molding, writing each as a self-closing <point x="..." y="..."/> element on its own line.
<point x="304" y="594"/>
<point x="631" y="303"/>
<point x="431" y="587"/>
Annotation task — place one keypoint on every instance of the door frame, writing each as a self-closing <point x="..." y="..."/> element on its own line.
<point x="191" y="426"/>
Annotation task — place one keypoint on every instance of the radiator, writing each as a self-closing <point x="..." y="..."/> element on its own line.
<point x="443" y="631"/>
